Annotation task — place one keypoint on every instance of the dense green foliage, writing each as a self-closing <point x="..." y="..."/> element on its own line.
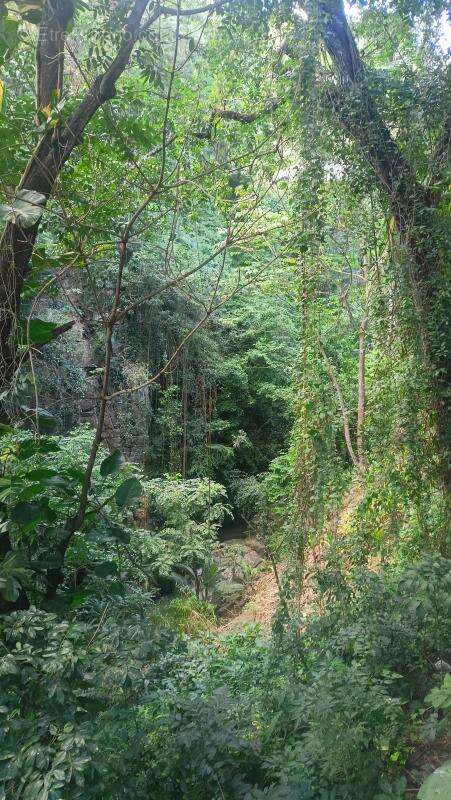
<point x="321" y="714"/>
<point x="224" y="313"/>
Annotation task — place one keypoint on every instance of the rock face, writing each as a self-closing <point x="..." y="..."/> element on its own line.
<point x="239" y="561"/>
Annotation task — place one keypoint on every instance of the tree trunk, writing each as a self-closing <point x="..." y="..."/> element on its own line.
<point x="185" y="419"/>
<point x="52" y="152"/>
<point x="361" y="399"/>
<point x="412" y="206"/>
<point x="360" y="436"/>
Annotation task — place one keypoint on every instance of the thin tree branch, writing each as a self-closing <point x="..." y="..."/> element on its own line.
<point x="341" y="403"/>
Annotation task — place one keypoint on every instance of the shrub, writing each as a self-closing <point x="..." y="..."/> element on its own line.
<point x="69" y="693"/>
<point x="109" y="703"/>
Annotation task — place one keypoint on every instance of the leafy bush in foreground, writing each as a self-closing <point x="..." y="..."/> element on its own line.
<point x="69" y="696"/>
<point x="105" y="705"/>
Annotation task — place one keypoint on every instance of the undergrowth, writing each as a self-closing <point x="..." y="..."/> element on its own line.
<point x="108" y="704"/>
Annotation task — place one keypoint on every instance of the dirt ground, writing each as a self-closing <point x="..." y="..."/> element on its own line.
<point x="258" y="605"/>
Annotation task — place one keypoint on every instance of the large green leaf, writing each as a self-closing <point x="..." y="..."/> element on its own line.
<point x="11" y="571"/>
<point x="38" y="331"/>
<point x="105" y="569"/>
<point x="57" y="482"/>
<point x="440" y="696"/>
<point x="9" y="587"/>
<point x="75" y="474"/>
<point x="27" y="514"/>
<point x="5" y="429"/>
<point x="115" y="532"/>
<point x="40" y="473"/>
<point x="119" y="534"/>
<point x="79" y="596"/>
<point x="438" y="785"/>
<point x="26" y="210"/>
<point x="30" y="447"/>
<point x="30" y="492"/>
<point x="8" y="33"/>
<point x="127" y="492"/>
<point x="50" y="559"/>
<point x="111" y="463"/>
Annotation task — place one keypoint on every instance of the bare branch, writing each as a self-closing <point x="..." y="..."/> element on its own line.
<point x="237" y="116"/>
<point x="341" y="403"/>
<point x="189" y="12"/>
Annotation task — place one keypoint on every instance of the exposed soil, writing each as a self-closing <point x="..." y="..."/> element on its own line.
<point x="260" y="600"/>
<point x="257" y="604"/>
